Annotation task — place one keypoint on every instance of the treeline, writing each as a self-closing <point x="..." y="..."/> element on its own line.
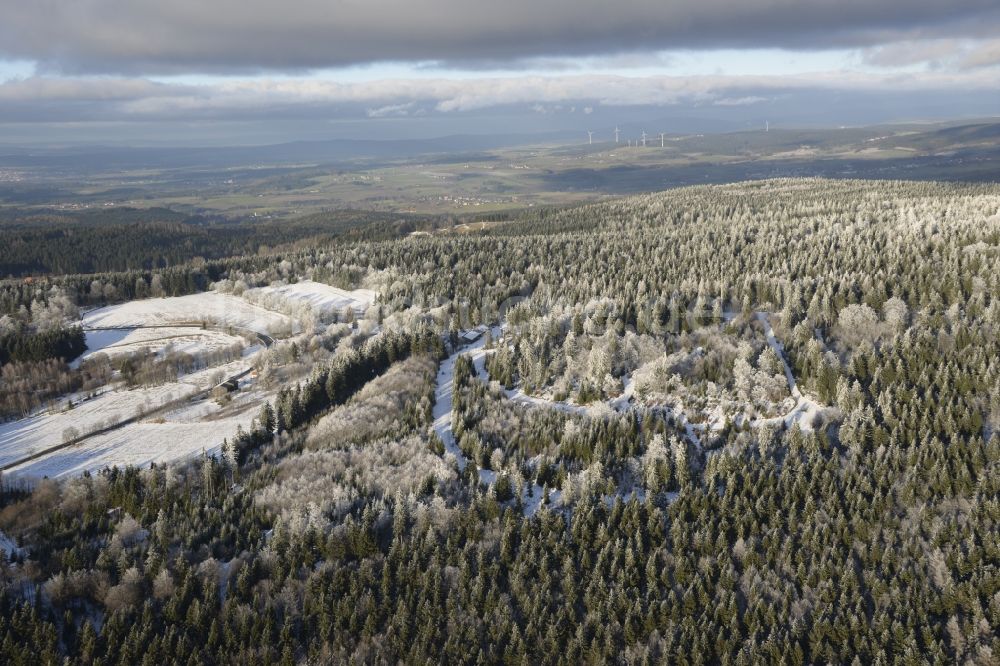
<point x="149" y="368"/>
<point x="107" y="288"/>
<point x="25" y="346"/>
<point x="334" y="384"/>
<point x="27" y="385"/>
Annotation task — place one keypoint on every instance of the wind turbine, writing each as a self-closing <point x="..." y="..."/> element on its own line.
<point x="767" y="127"/>
<point x="590" y="138"/>
<point x="643" y="139"/>
<point x="661" y="140"/>
<point x="616" y="133"/>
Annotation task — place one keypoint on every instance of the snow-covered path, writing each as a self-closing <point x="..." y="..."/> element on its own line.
<point x="805" y="408"/>
<point x="445" y="392"/>
<point x="802" y="413"/>
<point x="443" y="400"/>
<point x="444" y="396"/>
<point x="779" y="349"/>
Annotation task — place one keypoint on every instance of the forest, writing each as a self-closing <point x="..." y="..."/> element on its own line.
<point x="34" y="243"/>
<point x="739" y="424"/>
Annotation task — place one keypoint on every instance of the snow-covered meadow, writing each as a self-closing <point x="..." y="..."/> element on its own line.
<point x="321" y="299"/>
<point x="209" y="307"/>
<point x="161" y="325"/>
<point x="188" y="429"/>
<point x="119" y="341"/>
<point x="182" y="433"/>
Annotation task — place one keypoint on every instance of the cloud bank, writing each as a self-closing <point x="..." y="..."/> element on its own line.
<point x="154" y="37"/>
<point x="60" y="99"/>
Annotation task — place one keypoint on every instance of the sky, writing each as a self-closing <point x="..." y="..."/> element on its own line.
<point x="220" y="72"/>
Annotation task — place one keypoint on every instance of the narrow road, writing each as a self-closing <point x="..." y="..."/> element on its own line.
<point x="444" y="394"/>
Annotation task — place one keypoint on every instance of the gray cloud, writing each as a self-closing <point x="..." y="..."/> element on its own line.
<point x="156" y="36"/>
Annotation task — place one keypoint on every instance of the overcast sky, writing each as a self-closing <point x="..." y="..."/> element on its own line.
<point x="258" y="71"/>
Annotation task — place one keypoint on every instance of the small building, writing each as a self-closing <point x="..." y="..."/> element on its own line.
<point x="473" y="334"/>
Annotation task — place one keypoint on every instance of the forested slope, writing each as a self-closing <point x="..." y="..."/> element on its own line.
<point x="639" y="390"/>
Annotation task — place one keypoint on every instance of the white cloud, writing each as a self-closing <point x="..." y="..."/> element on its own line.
<point x="955" y="54"/>
<point x="390" y="110"/>
<point x="740" y="101"/>
<point x="139" y="99"/>
<point x="984" y="54"/>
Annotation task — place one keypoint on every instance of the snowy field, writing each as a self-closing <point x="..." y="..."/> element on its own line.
<point x="119" y="341"/>
<point x="47" y="429"/>
<point x="188" y="430"/>
<point x="183" y="433"/>
<point x="221" y="309"/>
<point x="321" y="298"/>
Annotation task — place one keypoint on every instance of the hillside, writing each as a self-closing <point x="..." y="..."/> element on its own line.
<point x="749" y="422"/>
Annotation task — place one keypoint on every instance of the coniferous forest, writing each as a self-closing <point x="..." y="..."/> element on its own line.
<point x="740" y="424"/>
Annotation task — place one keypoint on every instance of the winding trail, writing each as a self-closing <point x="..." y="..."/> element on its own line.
<point x="805" y="408"/>
<point x="779" y="349"/>
<point x="444" y="394"/>
<point x="802" y="413"/>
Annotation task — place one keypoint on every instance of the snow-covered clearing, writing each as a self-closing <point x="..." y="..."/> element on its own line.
<point x="209" y="306"/>
<point x="116" y="342"/>
<point x="137" y="444"/>
<point x="532" y="502"/>
<point x="519" y="396"/>
<point x="322" y="298"/>
<point x="43" y="430"/>
<point x="182" y="433"/>
<point x="804" y="413"/>
<point x="159" y="324"/>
